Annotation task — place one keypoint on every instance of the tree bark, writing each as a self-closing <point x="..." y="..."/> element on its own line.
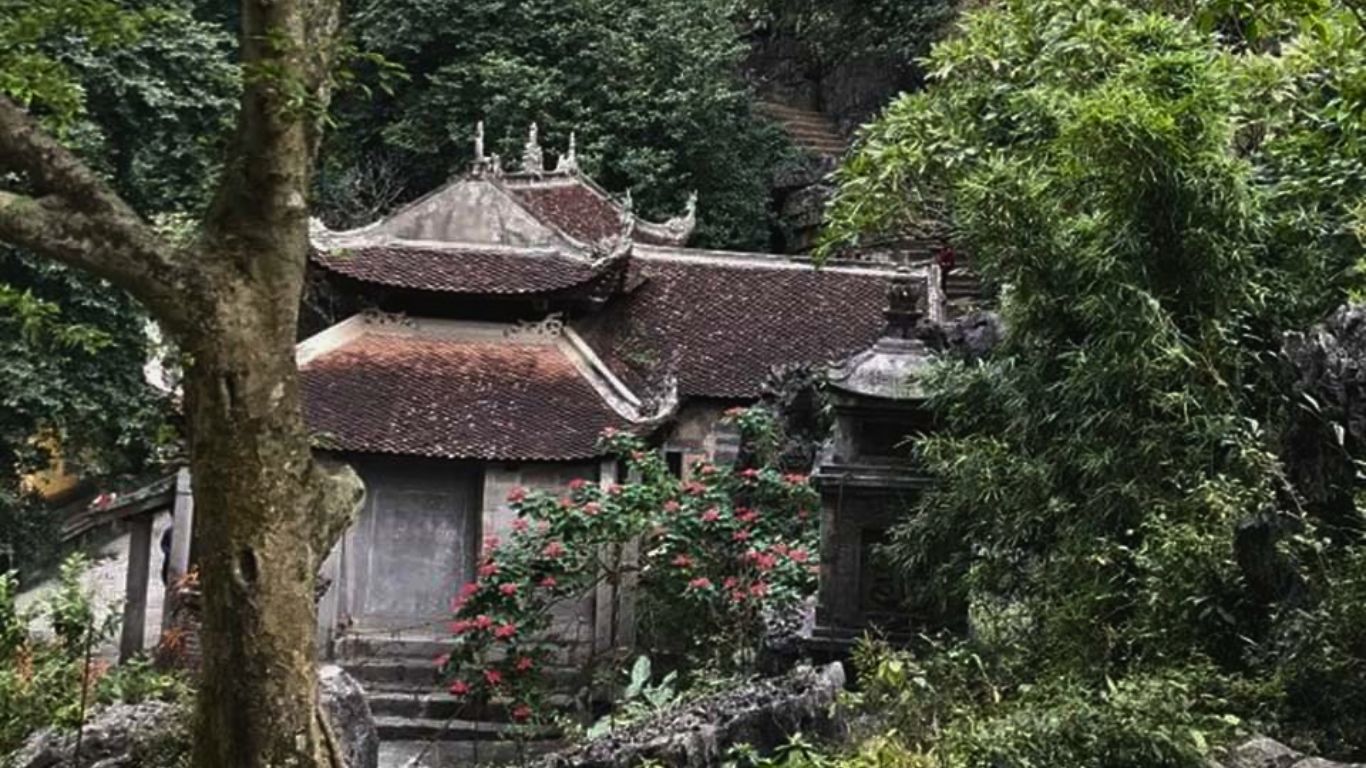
<point x="266" y="512"/>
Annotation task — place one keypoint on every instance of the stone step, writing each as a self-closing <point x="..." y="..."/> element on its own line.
<point x="405" y="674"/>
<point x="418" y="673"/>
<point x="377" y="645"/>
<point x="774" y="109"/>
<point x="444" y="754"/>
<point x="396" y="728"/>
<point x="822" y="132"/>
<point x="439" y="705"/>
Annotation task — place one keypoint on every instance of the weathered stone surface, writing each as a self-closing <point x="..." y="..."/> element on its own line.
<point x="763" y="714"/>
<point x="973" y="336"/>
<point x="117" y="737"/>
<point x="1262" y="752"/>
<point x="348" y="713"/>
<point x="156" y="733"/>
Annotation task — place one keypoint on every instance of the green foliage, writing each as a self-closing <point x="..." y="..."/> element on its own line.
<point x="640" y="699"/>
<point x="1098" y="463"/>
<point x="651" y="88"/>
<point x="71" y="357"/>
<point x="894" y="31"/>
<point x="144" y="93"/>
<point x="46" y="683"/>
<point x="1160" y="191"/>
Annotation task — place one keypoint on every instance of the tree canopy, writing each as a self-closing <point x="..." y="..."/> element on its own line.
<point x="652" y="90"/>
<point x="1159" y="194"/>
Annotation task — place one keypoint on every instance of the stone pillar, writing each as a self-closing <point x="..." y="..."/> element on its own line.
<point x="139" y="574"/>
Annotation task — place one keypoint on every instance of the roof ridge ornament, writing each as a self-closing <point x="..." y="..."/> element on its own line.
<point x="533" y="157"/>
<point x="569" y="162"/>
<point x="681" y="227"/>
<point x="549" y="327"/>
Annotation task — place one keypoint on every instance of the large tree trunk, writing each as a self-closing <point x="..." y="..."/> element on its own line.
<point x="266" y="511"/>
<point x="257" y="507"/>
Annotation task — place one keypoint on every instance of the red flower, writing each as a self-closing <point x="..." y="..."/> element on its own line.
<point x="520" y="525"/>
<point x="798" y="555"/>
<point x="749" y="474"/>
<point x="467" y="591"/>
<point x="508" y="589"/>
<point x="609" y="432"/>
<point x="516" y="494"/>
<point x="460" y="687"/>
<point x="505" y="631"/>
<point x="491" y="542"/>
<point x="746" y="515"/>
<point x="701" y="582"/>
<point x="578" y="484"/>
<point x="694" y="488"/>
<point x="730" y="582"/>
<point x="482" y="622"/>
<point x="741" y="535"/>
<point x="671" y="506"/>
<point x="521" y="713"/>
<point x="566" y="502"/>
<point x="779" y="549"/>
<point x="488" y="569"/>
<point x="794" y="478"/>
<point x="493" y="677"/>
<point x="524" y="663"/>
<point x="614" y="489"/>
<point x="711" y="515"/>
<point x="733" y="412"/>
<point x="758" y="589"/>
<point x="442" y="660"/>
<point x="461" y="626"/>
<point x="592" y="508"/>
<point x="706" y="470"/>
<point x="683" y="561"/>
<point x="549" y="582"/>
<point x="553" y="549"/>
<point x="738" y="596"/>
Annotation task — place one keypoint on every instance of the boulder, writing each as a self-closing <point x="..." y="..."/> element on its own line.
<point x="762" y="714"/>
<point x="155" y="733"/>
<point x="1262" y="752"/>
<point x="119" y="736"/>
<point x="348" y="713"/>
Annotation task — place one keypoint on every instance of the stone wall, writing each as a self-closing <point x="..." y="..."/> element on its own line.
<point x="700" y="435"/>
<point x="572" y="623"/>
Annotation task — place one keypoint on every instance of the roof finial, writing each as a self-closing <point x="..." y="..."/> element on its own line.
<point x="533" y="158"/>
<point x="570" y="162"/>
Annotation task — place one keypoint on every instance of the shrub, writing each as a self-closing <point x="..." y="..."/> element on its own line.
<point x="722" y="549"/>
<point x="53" y="683"/>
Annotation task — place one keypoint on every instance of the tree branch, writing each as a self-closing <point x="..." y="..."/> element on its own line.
<point x="260" y="211"/>
<point x="79" y="220"/>
<point x="129" y="257"/>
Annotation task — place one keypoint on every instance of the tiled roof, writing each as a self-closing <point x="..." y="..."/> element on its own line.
<point x="461" y="269"/>
<point x="575" y="209"/>
<point x="437" y="397"/>
<point x="720" y="327"/>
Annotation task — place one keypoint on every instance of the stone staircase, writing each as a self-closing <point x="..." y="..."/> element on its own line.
<point x="810" y="130"/>
<point x="421" y="725"/>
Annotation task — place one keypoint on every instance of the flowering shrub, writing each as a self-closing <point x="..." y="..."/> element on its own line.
<point x="722" y="548"/>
